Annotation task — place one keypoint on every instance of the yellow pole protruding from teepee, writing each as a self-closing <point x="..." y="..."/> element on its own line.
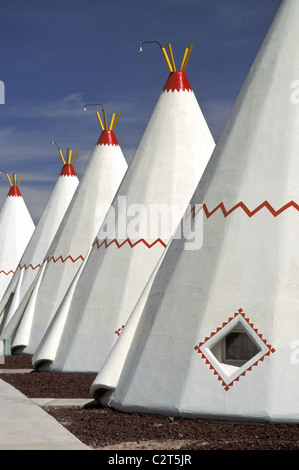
<point x="100" y="121"/>
<point x="69" y="155"/>
<point x="115" y="122"/>
<point x="75" y="154"/>
<point x="14" y="179"/>
<point x="111" y="123"/>
<point x="7" y="176"/>
<point x="20" y="179"/>
<point x="105" y="119"/>
<point x="62" y="158"/>
<point x="167" y="59"/>
<point x="171" y="57"/>
<point x="186" y="57"/>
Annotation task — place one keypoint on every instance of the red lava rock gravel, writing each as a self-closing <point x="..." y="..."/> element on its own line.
<point x="104" y="428"/>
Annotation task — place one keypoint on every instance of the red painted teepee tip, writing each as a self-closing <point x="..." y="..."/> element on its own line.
<point x="177" y="80"/>
<point x="14" y="192"/>
<point x="107" y="138"/>
<point x="14" y="186"/>
<point x="67" y="169"/>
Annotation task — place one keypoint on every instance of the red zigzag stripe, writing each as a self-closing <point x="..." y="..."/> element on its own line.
<point x="62" y="259"/>
<point x="6" y="274"/>
<point x="208" y="214"/>
<point x="243" y="206"/>
<point x="25" y="266"/>
<point x="48" y="259"/>
<point x="119" y="245"/>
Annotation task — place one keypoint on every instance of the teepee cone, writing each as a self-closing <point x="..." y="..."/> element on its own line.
<point x="71" y="242"/>
<point x="16" y="228"/>
<point x="217" y="336"/>
<point x="40" y="240"/>
<point x="164" y="172"/>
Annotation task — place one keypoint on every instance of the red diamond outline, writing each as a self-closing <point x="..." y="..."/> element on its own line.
<point x="267" y="353"/>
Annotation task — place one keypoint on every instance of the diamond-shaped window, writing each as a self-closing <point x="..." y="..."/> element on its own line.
<point x="234" y="349"/>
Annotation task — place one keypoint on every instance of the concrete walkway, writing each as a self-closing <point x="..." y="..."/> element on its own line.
<point x="24" y="425"/>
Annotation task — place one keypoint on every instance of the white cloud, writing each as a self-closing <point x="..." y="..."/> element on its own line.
<point x="68" y="106"/>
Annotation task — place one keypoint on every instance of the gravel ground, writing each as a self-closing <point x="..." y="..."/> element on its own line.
<point x="105" y="429"/>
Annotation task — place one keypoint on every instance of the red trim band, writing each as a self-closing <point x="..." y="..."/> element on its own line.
<point x="107" y="138"/>
<point x="68" y="170"/>
<point x="177" y="81"/>
<point x="14" y="192"/>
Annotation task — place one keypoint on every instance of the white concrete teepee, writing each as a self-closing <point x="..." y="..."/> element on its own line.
<point x="41" y="239"/>
<point x="16" y="228"/>
<point x="72" y="241"/>
<point x="164" y="172"/>
<point x="218" y="335"/>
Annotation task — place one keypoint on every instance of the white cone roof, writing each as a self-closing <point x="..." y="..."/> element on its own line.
<point x="72" y="241"/>
<point x="166" y="168"/>
<point x="16" y="228"/>
<point x="246" y="273"/>
<point x="34" y="254"/>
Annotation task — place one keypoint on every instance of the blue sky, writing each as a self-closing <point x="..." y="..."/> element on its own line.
<point x="58" y="55"/>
